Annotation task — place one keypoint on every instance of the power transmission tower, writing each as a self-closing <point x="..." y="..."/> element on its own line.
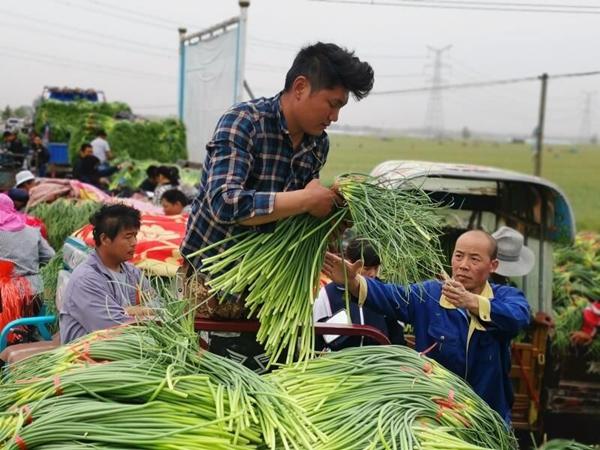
<point x="434" y="118"/>
<point x="585" y="130"/>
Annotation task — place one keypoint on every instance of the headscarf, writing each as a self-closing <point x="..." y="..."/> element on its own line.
<point x="10" y="219"/>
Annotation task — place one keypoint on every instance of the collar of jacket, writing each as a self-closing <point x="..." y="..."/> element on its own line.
<point x="474" y="323"/>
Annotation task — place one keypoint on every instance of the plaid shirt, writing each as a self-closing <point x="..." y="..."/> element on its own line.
<point x="249" y="159"/>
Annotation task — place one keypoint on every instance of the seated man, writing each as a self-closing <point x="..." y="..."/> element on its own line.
<point x="20" y="197"/>
<point x="105" y="290"/>
<point x="174" y="202"/>
<point x="14" y="147"/>
<point x="331" y="301"/>
<point x="464" y="323"/>
<point x="87" y="168"/>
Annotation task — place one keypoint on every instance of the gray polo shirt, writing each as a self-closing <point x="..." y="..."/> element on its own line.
<point x="27" y="249"/>
<point x="96" y="298"/>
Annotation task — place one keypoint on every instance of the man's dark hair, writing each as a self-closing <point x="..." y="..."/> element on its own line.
<point x="327" y="66"/>
<point x="172" y="173"/>
<point x="111" y="219"/>
<point x="18" y="195"/>
<point x="100" y="132"/>
<point x="84" y="146"/>
<point x="174" y="196"/>
<point x="152" y="171"/>
<point x="6" y="134"/>
<point x="361" y="249"/>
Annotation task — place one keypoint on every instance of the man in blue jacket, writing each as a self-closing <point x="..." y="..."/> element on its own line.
<point x="465" y="323"/>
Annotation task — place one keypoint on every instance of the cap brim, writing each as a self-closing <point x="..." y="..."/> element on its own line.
<point x="518" y="268"/>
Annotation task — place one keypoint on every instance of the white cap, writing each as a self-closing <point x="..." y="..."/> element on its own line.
<point x="23" y="176"/>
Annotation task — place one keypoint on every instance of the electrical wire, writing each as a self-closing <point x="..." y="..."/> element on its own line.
<point x="137" y="13"/>
<point x="482" y="7"/>
<point x="504" y="4"/>
<point x="130" y="19"/>
<point x="77" y="37"/>
<point x="52" y="60"/>
<point x="486" y="83"/>
<point x="86" y="31"/>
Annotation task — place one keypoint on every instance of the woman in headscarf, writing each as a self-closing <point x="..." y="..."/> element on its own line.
<point x="22" y="251"/>
<point x="22" y="246"/>
<point x="20" y="197"/>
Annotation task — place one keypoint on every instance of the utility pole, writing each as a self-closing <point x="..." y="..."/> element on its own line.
<point x="434" y="118"/>
<point x="241" y="50"/>
<point x="540" y="127"/>
<point x="585" y="130"/>
<point x="182" y="32"/>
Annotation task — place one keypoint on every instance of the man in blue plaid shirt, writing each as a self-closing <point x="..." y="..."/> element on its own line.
<point x="263" y="165"/>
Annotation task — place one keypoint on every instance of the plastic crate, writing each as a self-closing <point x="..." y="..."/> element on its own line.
<point x="59" y="153"/>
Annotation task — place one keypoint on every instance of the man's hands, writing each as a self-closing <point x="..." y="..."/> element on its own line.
<point x="456" y="294"/>
<point x="320" y="199"/>
<point x="545" y="319"/>
<point x="581" y="338"/>
<point x="315" y="199"/>
<point x="139" y="311"/>
<point x="333" y="268"/>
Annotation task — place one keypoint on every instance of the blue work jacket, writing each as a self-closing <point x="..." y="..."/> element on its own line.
<point x="484" y="361"/>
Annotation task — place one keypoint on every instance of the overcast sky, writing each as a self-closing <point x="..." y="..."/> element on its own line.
<point x="129" y="50"/>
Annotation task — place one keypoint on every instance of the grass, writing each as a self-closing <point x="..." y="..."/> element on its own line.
<point x="574" y="171"/>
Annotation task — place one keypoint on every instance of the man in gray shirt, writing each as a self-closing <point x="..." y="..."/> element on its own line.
<point x="105" y="290"/>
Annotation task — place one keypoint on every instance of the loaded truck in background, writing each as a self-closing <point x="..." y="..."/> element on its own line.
<point x="59" y="148"/>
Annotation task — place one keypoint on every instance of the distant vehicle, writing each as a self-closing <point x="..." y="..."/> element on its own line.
<point x="13" y="124"/>
<point x="65" y="94"/>
<point x="59" y="154"/>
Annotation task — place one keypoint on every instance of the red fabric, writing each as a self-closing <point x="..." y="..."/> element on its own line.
<point x="37" y="223"/>
<point x="591" y="318"/>
<point x="15" y="293"/>
<point x="158" y="242"/>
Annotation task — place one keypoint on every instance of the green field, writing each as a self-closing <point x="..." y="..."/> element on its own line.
<point x="575" y="171"/>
